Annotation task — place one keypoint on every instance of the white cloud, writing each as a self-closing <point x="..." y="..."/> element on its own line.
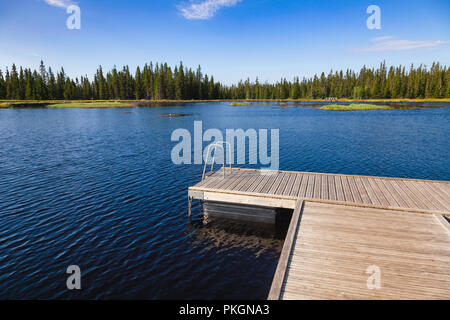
<point x="203" y="10"/>
<point x="382" y="38"/>
<point x="60" y="3"/>
<point x="389" y="43"/>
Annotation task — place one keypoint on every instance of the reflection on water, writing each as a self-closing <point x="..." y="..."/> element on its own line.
<point x="226" y="234"/>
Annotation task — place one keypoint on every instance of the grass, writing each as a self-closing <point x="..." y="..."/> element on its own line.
<point x="354" y="107"/>
<point x="128" y="103"/>
<point x="65" y="104"/>
<point x="240" y="104"/>
<point x="90" y="105"/>
<point x="255" y="102"/>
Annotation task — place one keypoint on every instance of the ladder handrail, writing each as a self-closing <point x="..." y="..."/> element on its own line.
<point x="215" y="145"/>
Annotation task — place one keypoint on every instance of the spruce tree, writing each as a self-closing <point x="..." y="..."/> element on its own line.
<point x="2" y="86"/>
<point x="138" y="88"/>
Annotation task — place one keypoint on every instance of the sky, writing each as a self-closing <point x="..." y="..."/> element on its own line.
<point x="230" y="39"/>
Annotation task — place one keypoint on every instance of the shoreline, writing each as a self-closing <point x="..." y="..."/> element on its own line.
<point x="5" y="104"/>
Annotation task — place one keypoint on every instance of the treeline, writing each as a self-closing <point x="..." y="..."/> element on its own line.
<point x="159" y="82"/>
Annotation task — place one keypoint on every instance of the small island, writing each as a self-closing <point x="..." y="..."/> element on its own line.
<point x="66" y="104"/>
<point x="103" y="104"/>
<point x="355" y="107"/>
<point x="240" y="104"/>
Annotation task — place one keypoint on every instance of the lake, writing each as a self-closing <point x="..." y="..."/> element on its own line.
<point x="97" y="188"/>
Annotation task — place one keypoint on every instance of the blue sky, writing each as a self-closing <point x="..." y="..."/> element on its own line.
<point x="231" y="39"/>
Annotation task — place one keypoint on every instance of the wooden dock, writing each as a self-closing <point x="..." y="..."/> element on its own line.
<point x="346" y="229"/>
<point x="282" y="189"/>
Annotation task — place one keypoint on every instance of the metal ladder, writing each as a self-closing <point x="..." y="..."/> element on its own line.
<point x="212" y="145"/>
<point x="215" y="145"/>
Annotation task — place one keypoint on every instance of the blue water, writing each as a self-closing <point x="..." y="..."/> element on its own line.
<point x="97" y="188"/>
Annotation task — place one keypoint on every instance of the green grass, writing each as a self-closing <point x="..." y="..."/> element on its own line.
<point x="91" y="105"/>
<point x="354" y="107"/>
<point x="65" y="104"/>
<point x="240" y="104"/>
<point x="15" y="104"/>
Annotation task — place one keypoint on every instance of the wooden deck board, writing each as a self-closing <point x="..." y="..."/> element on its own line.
<point x="260" y="182"/>
<point x="363" y="191"/>
<point x="335" y="244"/>
<point x="332" y="187"/>
<point x="225" y="183"/>
<point x="347" y="190"/>
<point x="247" y="185"/>
<point x="269" y="183"/>
<point x="282" y="185"/>
<point x="276" y="183"/>
<point x="444" y="188"/>
<point x="387" y="194"/>
<point x="393" y="193"/>
<point x="418" y="199"/>
<point x="355" y="191"/>
<point x="317" y="187"/>
<point x="290" y="184"/>
<point x="297" y="184"/>
<point x="379" y="192"/>
<point x="309" y="191"/>
<point x="428" y="198"/>
<point x="346" y="224"/>
<point x="436" y="195"/>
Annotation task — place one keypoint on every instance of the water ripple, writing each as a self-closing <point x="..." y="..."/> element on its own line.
<point x="97" y="189"/>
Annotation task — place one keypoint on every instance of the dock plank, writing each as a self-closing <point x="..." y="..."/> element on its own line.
<point x="332" y="187"/>
<point x="405" y="194"/>
<point x="290" y="184"/>
<point x="268" y="184"/>
<point x="259" y="183"/>
<point x="386" y="193"/>
<point x="324" y="191"/>
<point x="305" y="186"/>
<point x="282" y="184"/>
<point x="323" y="263"/>
<point x="276" y="183"/>
<point x="317" y="186"/>
<point x="356" y="192"/>
<point x="347" y="190"/>
<point x="297" y="185"/>
<point x="346" y="224"/>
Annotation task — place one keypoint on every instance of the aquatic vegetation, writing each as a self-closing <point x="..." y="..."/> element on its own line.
<point x="65" y="104"/>
<point x="22" y="103"/>
<point x="240" y="104"/>
<point x="112" y="104"/>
